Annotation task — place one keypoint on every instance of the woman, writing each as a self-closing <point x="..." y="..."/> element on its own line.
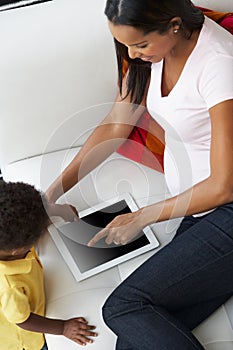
<point x="180" y="67"/>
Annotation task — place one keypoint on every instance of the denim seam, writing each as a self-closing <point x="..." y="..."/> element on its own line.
<point x="180" y="330"/>
<point x="199" y="269"/>
<point x="213" y="248"/>
<point x="220" y="228"/>
<point x="142" y="305"/>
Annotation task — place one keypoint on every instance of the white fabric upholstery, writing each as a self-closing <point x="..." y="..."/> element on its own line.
<point x="54" y="90"/>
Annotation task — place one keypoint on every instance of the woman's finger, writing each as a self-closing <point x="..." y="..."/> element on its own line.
<point x="97" y="237"/>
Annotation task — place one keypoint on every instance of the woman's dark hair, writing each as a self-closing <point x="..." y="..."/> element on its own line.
<point x="23" y="217"/>
<point x="148" y="16"/>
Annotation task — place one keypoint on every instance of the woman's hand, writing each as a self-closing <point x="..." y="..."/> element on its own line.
<point x="78" y="330"/>
<point x="120" y="230"/>
<point x="66" y="211"/>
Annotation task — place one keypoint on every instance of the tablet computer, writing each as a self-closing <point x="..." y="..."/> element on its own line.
<point x="71" y="239"/>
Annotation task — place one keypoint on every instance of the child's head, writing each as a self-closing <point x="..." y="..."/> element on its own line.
<point x="23" y="217"/>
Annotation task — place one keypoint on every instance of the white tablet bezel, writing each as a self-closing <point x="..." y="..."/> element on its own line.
<point x="67" y="256"/>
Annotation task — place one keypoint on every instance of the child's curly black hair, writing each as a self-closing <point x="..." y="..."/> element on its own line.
<point x="23" y="217"/>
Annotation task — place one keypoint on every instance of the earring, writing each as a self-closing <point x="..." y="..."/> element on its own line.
<point x="175" y="31"/>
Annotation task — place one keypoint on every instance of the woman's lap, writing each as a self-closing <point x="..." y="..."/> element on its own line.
<point x="189" y="278"/>
<point x="188" y="257"/>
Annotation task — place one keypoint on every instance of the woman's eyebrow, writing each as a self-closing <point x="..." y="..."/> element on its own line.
<point x="142" y="42"/>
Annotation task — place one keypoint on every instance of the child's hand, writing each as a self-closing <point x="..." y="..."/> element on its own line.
<point x="78" y="330"/>
<point x="66" y="211"/>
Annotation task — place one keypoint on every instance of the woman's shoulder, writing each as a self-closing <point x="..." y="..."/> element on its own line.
<point x="215" y="39"/>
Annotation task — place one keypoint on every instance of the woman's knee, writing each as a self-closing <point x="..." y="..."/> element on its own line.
<point x="113" y="306"/>
<point x="118" y="304"/>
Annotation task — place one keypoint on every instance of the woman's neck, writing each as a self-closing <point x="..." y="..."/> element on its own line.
<point x="184" y="47"/>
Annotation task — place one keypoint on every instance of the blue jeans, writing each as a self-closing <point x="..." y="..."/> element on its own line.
<point x="177" y="288"/>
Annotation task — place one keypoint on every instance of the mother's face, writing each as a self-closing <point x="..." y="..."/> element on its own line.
<point x="152" y="47"/>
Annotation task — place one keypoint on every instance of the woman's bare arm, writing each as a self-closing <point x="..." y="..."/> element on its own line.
<point x="104" y="140"/>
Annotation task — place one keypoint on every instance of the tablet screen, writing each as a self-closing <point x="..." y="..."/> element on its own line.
<point x="88" y="258"/>
<point x="101" y="218"/>
<point x="76" y="236"/>
<point x="71" y="239"/>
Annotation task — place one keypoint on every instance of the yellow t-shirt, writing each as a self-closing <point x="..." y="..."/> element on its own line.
<point x="21" y="292"/>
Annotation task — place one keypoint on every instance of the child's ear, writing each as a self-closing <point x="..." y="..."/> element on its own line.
<point x="15" y="251"/>
<point x="18" y="251"/>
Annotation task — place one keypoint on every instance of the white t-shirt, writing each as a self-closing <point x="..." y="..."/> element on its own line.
<point x="206" y="80"/>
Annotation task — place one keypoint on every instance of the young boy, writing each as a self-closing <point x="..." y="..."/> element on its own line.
<point x="23" y="220"/>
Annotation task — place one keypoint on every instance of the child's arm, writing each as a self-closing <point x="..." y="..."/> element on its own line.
<point x="65" y="211"/>
<point x="76" y="329"/>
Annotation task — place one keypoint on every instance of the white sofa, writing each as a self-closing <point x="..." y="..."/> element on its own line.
<point x="58" y="80"/>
